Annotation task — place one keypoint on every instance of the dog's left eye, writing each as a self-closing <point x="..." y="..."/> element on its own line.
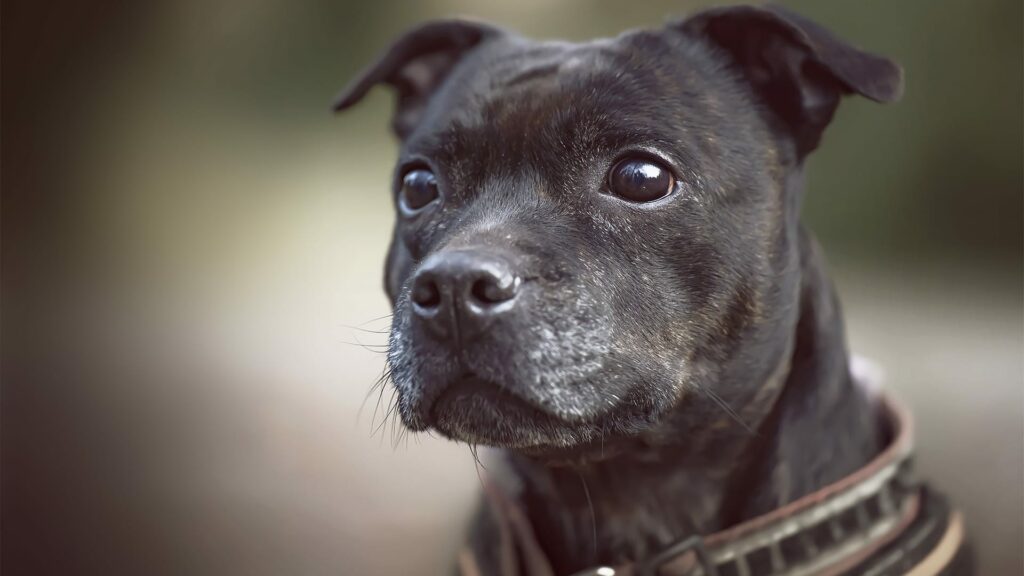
<point x="640" y="180"/>
<point x="419" y="188"/>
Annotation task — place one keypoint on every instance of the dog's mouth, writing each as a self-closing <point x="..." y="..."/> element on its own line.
<point x="476" y="411"/>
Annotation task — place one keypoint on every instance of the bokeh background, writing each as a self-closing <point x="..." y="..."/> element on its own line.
<point x="192" y="252"/>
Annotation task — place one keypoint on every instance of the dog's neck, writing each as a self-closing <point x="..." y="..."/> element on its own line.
<point x="634" y="504"/>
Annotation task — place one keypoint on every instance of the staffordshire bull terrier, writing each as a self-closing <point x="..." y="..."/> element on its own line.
<point x="598" y="267"/>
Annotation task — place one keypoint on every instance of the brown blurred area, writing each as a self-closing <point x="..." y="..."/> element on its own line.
<point x="191" y="264"/>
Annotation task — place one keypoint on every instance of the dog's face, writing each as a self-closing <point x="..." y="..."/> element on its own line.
<point x="592" y="237"/>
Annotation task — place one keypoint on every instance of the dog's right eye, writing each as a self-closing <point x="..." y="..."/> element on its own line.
<point x="640" y="180"/>
<point x="419" y="188"/>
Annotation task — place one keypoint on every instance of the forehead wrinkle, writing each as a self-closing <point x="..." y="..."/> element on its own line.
<point x="539" y="72"/>
<point x="541" y="66"/>
<point x="532" y="102"/>
<point x="508" y="131"/>
<point x="549" y="92"/>
<point x="529" y="62"/>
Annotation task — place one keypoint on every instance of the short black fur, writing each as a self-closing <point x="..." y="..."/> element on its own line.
<point x="684" y="360"/>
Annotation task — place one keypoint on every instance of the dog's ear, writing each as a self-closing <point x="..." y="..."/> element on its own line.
<point x="415" y="65"/>
<point x="797" y="67"/>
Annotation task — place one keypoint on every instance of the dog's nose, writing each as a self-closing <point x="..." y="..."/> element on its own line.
<point x="459" y="292"/>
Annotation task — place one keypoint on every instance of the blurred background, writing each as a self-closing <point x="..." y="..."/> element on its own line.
<point x="192" y="256"/>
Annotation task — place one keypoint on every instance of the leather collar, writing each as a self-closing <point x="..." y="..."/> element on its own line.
<point x="827" y="532"/>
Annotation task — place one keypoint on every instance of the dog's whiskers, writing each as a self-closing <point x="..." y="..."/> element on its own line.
<point x="388" y="417"/>
<point x="367" y="331"/>
<point x="477" y="464"/>
<point x="375" y="348"/>
<point x="389" y="424"/>
<point x="377" y="319"/>
<point x="728" y="410"/>
<point x="378" y="387"/>
<point x="475" y="451"/>
<point x="382" y="381"/>
<point x="593" y="514"/>
<point x="360" y="326"/>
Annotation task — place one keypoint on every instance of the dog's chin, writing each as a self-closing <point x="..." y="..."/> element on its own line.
<point x="477" y="412"/>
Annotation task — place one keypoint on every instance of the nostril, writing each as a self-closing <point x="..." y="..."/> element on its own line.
<point x="426" y="294"/>
<point x="489" y="290"/>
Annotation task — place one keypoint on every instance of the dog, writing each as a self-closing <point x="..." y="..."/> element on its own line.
<point x="598" y="267"/>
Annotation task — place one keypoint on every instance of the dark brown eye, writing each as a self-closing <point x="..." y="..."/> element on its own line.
<point x="419" y="188"/>
<point x="640" y="180"/>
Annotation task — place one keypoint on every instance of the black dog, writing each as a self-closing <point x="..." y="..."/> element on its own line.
<point x="598" y="265"/>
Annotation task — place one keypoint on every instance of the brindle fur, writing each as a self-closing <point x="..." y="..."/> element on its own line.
<point x="684" y="361"/>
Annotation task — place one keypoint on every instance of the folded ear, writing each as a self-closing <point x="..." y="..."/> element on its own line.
<point x="797" y="67"/>
<point x="415" y="65"/>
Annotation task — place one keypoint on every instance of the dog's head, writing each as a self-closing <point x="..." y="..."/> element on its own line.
<point x="593" y="236"/>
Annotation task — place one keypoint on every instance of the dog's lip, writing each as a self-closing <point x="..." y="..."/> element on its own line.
<point x="475" y="410"/>
<point x="471" y="388"/>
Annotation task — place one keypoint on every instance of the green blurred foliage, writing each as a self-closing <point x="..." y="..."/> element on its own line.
<point x="937" y="176"/>
<point x="933" y="178"/>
